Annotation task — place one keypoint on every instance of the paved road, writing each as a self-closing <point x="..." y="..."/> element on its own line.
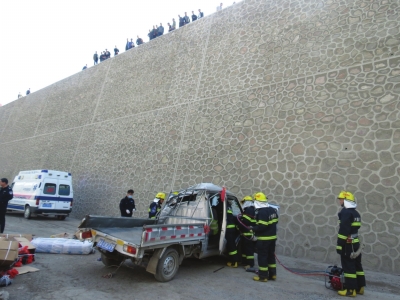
<point x="80" y="276"/>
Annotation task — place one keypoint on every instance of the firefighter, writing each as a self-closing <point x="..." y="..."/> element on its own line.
<point x="247" y="219"/>
<point x="231" y="235"/>
<point x="265" y="230"/>
<point x="348" y="243"/>
<point x="155" y="206"/>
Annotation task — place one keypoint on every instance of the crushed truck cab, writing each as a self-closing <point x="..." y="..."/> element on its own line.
<point x="191" y="223"/>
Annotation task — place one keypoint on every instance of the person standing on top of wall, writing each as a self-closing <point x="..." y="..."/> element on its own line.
<point x="181" y="21"/>
<point x="139" y="41"/>
<point x="127" y="204"/>
<point x="219" y="7"/>
<point x="194" y="17"/>
<point x="348" y="243"/>
<point x="155" y="206"/>
<point x="173" y="24"/>
<point x="160" y="30"/>
<point x="186" y="19"/>
<point x="116" y="51"/>
<point x="28" y="91"/>
<point x="95" y="58"/>
<point x="6" y="194"/>
<point x="201" y="14"/>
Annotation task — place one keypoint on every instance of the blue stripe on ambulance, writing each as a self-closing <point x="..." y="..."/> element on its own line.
<point x="53" y="198"/>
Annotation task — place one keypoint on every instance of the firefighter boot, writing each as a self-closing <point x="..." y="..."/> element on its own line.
<point x="347" y="292"/>
<point x="360" y="291"/>
<point x="232" y="264"/>
<point x="273" y="277"/>
<point x="261" y="279"/>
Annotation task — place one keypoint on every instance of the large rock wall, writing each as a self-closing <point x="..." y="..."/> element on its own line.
<point x="299" y="99"/>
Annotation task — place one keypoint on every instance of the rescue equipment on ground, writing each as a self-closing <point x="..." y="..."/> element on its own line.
<point x="334" y="279"/>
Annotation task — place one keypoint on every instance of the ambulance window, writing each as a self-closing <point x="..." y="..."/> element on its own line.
<point x="49" y="189"/>
<point x="18" y="187"/>
<point x="63" y="190"/>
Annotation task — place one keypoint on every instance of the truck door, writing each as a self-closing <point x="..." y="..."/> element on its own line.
<point x="64" y="194"/>
<point x="49" y="195"/>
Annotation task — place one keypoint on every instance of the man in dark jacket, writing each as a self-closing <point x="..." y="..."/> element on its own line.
<point x="194" y="17"/>
<point x="348" y="244"/>
<point x="95" y="58"/>
<point x="155" y="31"/>
<point x="108" y="54"/>
<point x="181" y="21"/>
<point x="6" y="194"/>
<point x="139" y="41"/>
<point x="116" y="51"/>
<point x="160" y="30"/>
<point x="127" y="205"/>
<point x="28" y="91"/>
<point x="265" y="230"/>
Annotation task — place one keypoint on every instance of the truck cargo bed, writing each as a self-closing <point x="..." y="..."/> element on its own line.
<point x="130" y="235"/>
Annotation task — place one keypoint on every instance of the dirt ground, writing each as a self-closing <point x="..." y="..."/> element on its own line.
<point x="80" y="276"/>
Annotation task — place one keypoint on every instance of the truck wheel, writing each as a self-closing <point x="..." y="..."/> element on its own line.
<point x="27" y="212"/>
<point x="108" y="262"/>
<point x="61" y="218"/>
<point x="168" y="266"/>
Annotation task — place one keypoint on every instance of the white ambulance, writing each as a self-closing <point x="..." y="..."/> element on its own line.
<point x="42" y="192"/>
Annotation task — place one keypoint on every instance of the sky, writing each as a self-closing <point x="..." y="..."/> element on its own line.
<point x="44" y="41"/>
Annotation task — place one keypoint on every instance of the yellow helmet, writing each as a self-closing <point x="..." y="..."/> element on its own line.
<point x="160" y="196"/>
<point x="346" y="195"/>
<point x="246" y="198"/>
<point x="260" y="197"/>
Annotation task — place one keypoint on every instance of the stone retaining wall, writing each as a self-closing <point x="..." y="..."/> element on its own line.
<point x="298" y="99"/>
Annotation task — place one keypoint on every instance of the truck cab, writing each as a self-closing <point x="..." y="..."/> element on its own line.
<point x="42" y="192"/>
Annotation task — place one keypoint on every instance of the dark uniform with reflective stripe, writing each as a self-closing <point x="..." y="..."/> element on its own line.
<point x="265" y="230"/>
<point x="348" y="242"/>
<point x="247" y="244"/>
<point x="230" y="236"/>
<point x="6" y="194"/>
<point x="154" y="209"/>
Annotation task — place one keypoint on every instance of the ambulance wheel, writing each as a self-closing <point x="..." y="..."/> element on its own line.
<point x="168" y="266"/>
<point x="27" y="212"/>
<point x="61" y="218"/>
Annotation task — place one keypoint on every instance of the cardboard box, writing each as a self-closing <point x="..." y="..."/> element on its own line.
<point x="10" y="236"/>
<point x="24" y="242"/>
<point x="8" y="253"/>
<point x="26" y="269"/>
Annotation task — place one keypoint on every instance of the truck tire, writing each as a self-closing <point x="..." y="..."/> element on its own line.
<point x="108" y="262"/>
<point x="167" y="266"/>
<point x="27" y="212"/>
<point x="61" y="218"/>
